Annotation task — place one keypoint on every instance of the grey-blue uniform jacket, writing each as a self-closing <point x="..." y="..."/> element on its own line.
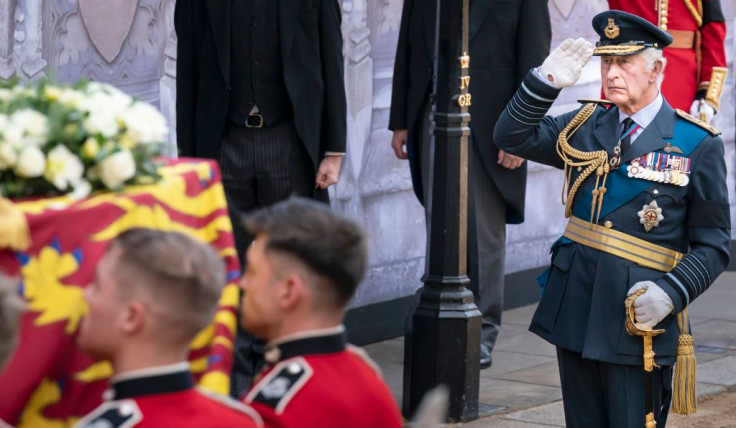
<point x="582" y="306"/>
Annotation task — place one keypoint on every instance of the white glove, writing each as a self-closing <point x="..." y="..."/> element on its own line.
<point x="700" y="106"/>
<point x="651" y="307"/>
<point x="563" y="66"/>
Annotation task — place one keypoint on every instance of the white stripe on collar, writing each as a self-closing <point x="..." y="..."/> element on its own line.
<point x="151" y="371"/>
<point x="306" y="335"/>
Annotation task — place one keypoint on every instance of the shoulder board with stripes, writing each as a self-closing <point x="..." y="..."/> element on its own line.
<point x="694" y="120"/>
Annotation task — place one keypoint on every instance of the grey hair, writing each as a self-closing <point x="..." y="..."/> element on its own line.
<point x="651" y="57"/>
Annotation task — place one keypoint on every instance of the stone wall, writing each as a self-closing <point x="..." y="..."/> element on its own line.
<point x="131" y="44"/>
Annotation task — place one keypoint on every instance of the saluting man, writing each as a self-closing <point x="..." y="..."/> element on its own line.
<point x="648" y="208"/>
<point x="697" y="55"/>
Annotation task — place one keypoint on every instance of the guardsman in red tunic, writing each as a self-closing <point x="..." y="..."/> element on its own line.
<point x="696" y="59"/>
<point x="153" y="292"/>
<point x="302" y="270"/>
<point x="165" y="396"/>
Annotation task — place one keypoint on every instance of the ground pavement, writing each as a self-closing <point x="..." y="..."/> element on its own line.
<point x="522" y="388"/>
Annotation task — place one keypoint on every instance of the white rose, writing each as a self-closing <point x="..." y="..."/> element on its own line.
<point x="82" y="189"/>
<point x="144" y="124"/>
<point x="116" y="169"/>
<point x="31" y="162"/>
<point x="13" y="136"/>
<point x="102" y="118"/>
<point x="63" y="168"/>
<point x="71" y="97"/>
<point x="31" y="124"/>
<point x="8" y="156"/>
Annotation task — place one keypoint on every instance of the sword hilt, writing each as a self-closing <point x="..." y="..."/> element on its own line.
<point x="646" y="335"/>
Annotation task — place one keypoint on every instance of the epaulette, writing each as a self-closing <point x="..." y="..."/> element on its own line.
<point x="281" y="384"/>
<point x="360" y="353"/>
<point x="232" y="404"/>
<point x="594" y="101"/>
<point x="113" y="414"/>
<point x="694" y="120"/>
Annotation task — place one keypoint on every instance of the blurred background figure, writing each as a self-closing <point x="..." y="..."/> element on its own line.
<point x="302" y="270"/>
<point x="11" y="308"/>
<point x="506" y="40"/>
<point x="261" y="89"/>
<point x="153" y="292"/>
<point x="696" y="59"/>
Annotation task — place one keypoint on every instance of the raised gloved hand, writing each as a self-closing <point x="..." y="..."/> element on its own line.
<point x="651" y="307"/>
<point x="563" y="66"/>
<point x="702" y="110"/>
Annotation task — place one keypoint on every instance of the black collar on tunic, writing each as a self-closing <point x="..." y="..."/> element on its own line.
<point x="152" y="384"/>
<point x="317" y="344"/>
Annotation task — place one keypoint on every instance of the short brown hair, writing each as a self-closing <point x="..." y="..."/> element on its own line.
<point x="183" y="275"/>
<point x="11" y="308"/>
<point x="330" y="244"/>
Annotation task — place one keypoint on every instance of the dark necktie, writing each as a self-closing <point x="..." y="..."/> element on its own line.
<point x="626" y="126"/>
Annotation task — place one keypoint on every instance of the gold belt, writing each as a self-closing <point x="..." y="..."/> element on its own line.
<point x="622" y="245"/>
<point x="682" y="39"/>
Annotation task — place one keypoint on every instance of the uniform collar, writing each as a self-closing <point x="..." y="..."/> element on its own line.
<point x="149" y="381"/>
<point x="646" y="115"/>
<point x="322" y="341"/>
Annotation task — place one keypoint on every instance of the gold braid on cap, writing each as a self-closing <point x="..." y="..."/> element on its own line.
<point x="596" y="161"/>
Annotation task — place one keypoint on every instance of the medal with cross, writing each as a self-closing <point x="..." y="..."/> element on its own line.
<point x="650" y="216"/>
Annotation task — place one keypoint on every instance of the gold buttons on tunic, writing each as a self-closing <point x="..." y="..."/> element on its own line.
<point x="656" y="192"/>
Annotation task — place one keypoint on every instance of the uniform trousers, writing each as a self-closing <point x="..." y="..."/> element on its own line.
<point x="601" y="395"/>
<point x="260" y="166"/>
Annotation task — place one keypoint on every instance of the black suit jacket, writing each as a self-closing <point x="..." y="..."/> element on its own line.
<point x="507" y="38"/>
<point x="311" y="51"/>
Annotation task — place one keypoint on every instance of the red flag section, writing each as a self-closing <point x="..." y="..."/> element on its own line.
<point x="49" y="382"/>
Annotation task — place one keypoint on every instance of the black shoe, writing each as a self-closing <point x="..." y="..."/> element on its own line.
<point x="485" y="356"/>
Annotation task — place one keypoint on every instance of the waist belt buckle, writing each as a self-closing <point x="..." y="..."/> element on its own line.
<point x="254" y="121"/>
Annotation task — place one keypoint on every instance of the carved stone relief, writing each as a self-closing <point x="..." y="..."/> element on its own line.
<point x="108" y="23"/>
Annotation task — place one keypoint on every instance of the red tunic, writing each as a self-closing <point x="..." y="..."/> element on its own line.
<point x="168" y="400"/>
<point x="682" y="75"/>
<point x="319" y="383"/>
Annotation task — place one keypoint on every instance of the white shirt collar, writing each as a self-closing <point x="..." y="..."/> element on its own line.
<point x="646" y="115"/>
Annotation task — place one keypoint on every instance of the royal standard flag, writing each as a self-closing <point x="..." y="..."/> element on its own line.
<point x="51" y="383"/>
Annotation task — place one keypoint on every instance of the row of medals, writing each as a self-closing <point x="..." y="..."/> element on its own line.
<point x="636" y="170"/>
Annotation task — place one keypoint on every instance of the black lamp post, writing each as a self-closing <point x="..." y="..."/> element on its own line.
<point x="442" y="346"/>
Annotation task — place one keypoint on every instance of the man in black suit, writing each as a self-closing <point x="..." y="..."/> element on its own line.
<point x="260" y="88"/>
<point x="507" y="38"/>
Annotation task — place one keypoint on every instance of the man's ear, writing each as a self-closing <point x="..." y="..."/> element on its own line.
<point x="293" y="291"/>
<point x="656" y="71"/>
<point x="134" y="317"/>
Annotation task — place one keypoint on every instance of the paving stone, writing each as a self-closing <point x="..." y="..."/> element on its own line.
<point x="505" y="362"/>
<point x="520" y="316"/>
<point x="714" y="306"/>
<point x="508" y="330"/>
<point x="515" y="395"/>
<point x="500" y="422"/>
<point x="715" y="334"/>
<point x="707" y="390"/>
<point x="527" y="343"/>
<point x="551" y="414"/>
<point x="544" y="374"/>
<point x="388" y="351"/>
<point x="719" y="372"/>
